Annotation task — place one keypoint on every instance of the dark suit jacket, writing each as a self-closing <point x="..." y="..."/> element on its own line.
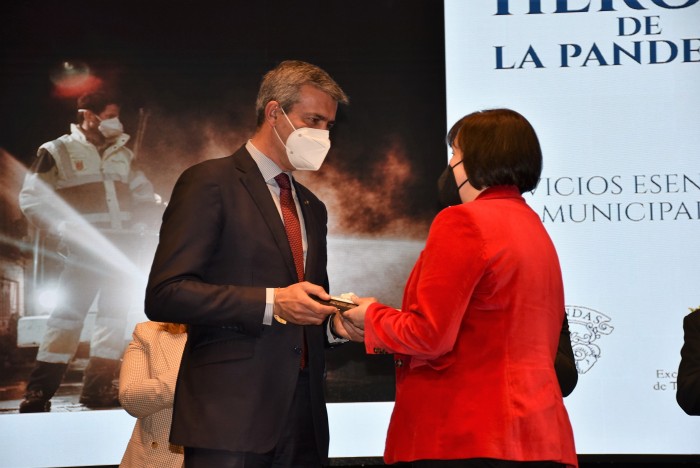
<point x="565" y="363"/>
<point x="222" y="243"/>
<point x="688" y="382"/>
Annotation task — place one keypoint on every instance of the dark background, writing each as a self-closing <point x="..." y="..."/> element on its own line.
<point x="194" y="68"/>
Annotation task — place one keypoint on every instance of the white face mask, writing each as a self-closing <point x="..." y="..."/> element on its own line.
<point x="306" y="147"/>
<point x="111" y="128"/>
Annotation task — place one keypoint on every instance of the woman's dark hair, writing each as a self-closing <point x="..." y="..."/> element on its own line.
<point x="499" y="147"/>
<point x="454" y="130"/>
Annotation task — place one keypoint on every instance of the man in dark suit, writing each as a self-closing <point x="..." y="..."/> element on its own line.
<point x="238" y="261"/>
<point x="688" y="382"/>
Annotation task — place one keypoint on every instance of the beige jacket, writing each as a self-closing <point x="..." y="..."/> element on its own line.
<point x="146" y="390"/>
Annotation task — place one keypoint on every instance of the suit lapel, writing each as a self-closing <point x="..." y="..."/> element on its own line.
<point x="253" y="181"/>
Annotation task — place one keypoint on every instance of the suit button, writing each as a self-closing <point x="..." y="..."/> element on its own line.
<point x="297" y="349"/>
<point x="379" y="351"/>
<point x="398" y="363"/>
<point x="154" y="445"/>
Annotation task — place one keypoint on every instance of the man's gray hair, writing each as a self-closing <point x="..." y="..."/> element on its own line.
<point x="283" y="84"/>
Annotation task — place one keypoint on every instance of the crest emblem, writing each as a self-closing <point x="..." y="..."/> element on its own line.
<point x="586" y="326"/>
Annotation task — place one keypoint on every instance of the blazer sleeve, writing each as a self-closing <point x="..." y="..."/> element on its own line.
<point x="428" y="328"/>
<point x="181" y="289"/>
<point x="141" y="391"/>
<point x="688" y="382"/>
<point x="564" y="363"/>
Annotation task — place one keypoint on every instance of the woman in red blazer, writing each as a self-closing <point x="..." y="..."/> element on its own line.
<point x="476" y="338"/>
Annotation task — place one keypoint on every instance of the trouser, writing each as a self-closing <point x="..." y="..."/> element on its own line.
<point x="83" y="278"/>
<point x="87" y="274"/>
<point x="296" y="447"/>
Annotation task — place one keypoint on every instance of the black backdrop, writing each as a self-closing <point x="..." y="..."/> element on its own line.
<point x="194" y="69"/>
<point x="199" y="63"/>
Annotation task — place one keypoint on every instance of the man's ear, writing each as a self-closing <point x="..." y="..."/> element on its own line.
<point x="272" y="109"/>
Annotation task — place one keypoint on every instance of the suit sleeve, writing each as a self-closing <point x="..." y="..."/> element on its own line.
<point x="141" y="393"/>
<point x="688" y="382"/>
<point x="565" y="364"/>
<point x="179" y="289"/>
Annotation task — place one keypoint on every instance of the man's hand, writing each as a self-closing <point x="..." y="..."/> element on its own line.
<point x="294" y="305"/>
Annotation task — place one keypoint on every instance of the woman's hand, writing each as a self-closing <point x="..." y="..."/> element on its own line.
<point x="346" y="329"/>
<point x="356" y="315"/>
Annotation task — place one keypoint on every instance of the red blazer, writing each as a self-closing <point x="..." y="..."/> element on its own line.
<point x="476" y="340"/>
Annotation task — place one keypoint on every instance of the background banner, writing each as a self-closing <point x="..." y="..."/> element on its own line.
<point x="612" y="90"/>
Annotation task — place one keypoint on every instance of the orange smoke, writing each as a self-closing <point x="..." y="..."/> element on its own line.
<point x="370" y="202"/>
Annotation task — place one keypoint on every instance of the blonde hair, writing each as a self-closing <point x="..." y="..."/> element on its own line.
<point x="174" y="328"/>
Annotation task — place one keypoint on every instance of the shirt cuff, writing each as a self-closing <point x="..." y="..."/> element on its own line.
<point x="269" y="303"/>
<point x="332" y="339"/>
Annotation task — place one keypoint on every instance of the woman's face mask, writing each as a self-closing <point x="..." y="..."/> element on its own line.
<point x="448" y="191"/>
<point x="306" y="147"/>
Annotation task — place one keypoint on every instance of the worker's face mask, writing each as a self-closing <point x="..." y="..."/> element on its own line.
<point x="110" y="128"/>
<point x="306" y="147"/>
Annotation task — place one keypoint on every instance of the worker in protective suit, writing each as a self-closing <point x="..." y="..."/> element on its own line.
<point x="83" y="191"/>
